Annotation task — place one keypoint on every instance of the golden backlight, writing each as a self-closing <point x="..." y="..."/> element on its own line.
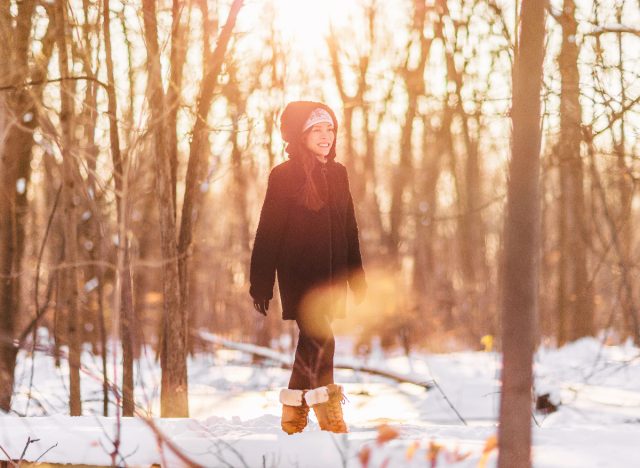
<point x="305" y="23"/>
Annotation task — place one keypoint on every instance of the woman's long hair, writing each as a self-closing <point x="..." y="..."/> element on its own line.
<point x="313" y="193"/>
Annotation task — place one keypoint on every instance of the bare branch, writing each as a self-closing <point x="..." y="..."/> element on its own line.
<point x="614" y="28"/>
<point x="9" y="460"/>
<point x="54" y="80"/>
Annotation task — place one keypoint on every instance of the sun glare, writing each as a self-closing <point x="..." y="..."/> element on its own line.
<point x="305" y="23"/>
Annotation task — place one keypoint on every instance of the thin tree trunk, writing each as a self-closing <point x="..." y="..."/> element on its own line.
<point x="198" y="155"/>
<point x="627" y="283"/>
<point x="521" y="249"/>
<point x="69" y="200"/>
<point x="424" y="274"/>
<point x="15" y="157"/>
<point x="576" y="302"/>
<point x="471" y="226"/>
<point x="401" y="180"/>
<point x="124" y="288"/>
<point x="625" y="188"/>
<point x="414" y="84"/>
<point x="177" y="59"/>
<point x="173" y="357"/>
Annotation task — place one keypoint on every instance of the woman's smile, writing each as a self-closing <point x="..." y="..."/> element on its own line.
<point x="319" y="139"/>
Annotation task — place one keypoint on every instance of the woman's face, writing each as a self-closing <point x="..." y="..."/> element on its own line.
<point x="319" y="139"/>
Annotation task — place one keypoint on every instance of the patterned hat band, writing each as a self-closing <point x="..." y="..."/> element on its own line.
<point x="318" y="115"/>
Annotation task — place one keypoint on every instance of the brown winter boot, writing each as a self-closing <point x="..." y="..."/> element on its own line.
<point x="295" y="410"/>
<point x="327" y="405"/>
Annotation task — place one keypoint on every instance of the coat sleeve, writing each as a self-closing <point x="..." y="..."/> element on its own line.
<point x="356" y="276"/>
<point x="268" y="240"/>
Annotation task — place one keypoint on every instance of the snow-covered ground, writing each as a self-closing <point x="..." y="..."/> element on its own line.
<point x="235" y="413"/>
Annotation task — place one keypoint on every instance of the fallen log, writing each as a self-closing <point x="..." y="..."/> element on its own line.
<point x="287" y="361"/>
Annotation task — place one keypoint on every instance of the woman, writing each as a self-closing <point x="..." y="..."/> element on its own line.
<point x="308" y="235"/>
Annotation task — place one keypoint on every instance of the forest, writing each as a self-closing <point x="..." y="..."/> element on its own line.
<point x="137" y="138"/>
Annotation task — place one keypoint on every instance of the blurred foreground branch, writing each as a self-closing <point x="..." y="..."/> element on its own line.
<point x="286" y="360"/>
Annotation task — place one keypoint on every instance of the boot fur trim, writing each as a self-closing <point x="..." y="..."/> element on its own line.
<point x="317" y="396"/>
<point x="291" y="397"/>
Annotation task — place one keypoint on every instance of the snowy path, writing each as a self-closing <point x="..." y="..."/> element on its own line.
<point x="220" y="442"/>
<point x="236" y="413"/>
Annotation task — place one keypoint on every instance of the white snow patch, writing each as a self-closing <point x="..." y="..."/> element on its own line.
<point x="236" y="413"/>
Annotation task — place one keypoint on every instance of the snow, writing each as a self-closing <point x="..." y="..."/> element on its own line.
<point x="235" y="412"/>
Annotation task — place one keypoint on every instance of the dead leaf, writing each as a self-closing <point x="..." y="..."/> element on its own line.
<point x="432" y="452"/>
<point x="386" y="433"/>
<point x="363" y="455"/>
<point x="411" y="450"/>
<point x="490" y="445"/>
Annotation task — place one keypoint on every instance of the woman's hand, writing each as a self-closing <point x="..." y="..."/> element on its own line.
<point x="261" y="306"/>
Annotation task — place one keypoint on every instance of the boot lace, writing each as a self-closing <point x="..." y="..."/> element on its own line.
<point x="334" y="411"/>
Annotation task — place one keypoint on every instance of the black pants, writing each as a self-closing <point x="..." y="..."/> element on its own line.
<point x="313" y="365"/>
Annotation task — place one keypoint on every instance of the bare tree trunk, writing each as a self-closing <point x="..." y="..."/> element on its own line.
<point x="177" y="59"/>
<point x="353" y="102"/>
<point x="124" y="287"/>
<point x="8" y="352"/>
<point x="238" y="190"/>
<point x="348" y="102"/>
<point x="424" y="271"/>
<point x="414" y="84"/>
<point x="173" y="357"/>
<point x="69" y="200"/>
<point x="15" y="157"/>
<point x="472" y="231"/>
<point x="140" y="281"/>
<point x="197" y="155"/>
<point x="373" y="216"/>
<point x="626" y="282"/>
<point x="522" y="233"/>
<point x="575" y="301"/>
<point x="625" y="186"/>
<point x="83" y="51"/>
<point x="401" y="179"/>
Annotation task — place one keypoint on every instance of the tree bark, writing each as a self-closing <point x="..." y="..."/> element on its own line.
<point x="124" y="287"/>
<point x="625" y="189"/>
<point x="15" y="156"/>
<point x="522" y="234"/>
<point x="425" y="276"/>
<point x="173" y="356"/>
<point x="177" y="59"/>
<point x="414" y="85"/>
<point x="471" y="225"/>
<point x="575" y="294"/>
<point x="69" y="201"/>
<point x="198" y="156"/>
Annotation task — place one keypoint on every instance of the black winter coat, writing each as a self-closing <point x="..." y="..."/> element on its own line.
<point x="306" y="248"/>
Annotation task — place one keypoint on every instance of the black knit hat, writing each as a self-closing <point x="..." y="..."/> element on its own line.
<point x="293" y="117"/>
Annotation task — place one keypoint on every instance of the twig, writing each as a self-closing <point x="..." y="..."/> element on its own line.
<point x="220" y="442"/>
<point x="45" y="452"/>
<point x="164" y="439"/>
<point x="26" y="446"/>
<point x="435" y="383"/>
<point x="616" y="29"/>
<point x="9" y="460"/>
<point x="342" y="451"/>
<point x="39" y="312"/>
<point x="535" y="420"/>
